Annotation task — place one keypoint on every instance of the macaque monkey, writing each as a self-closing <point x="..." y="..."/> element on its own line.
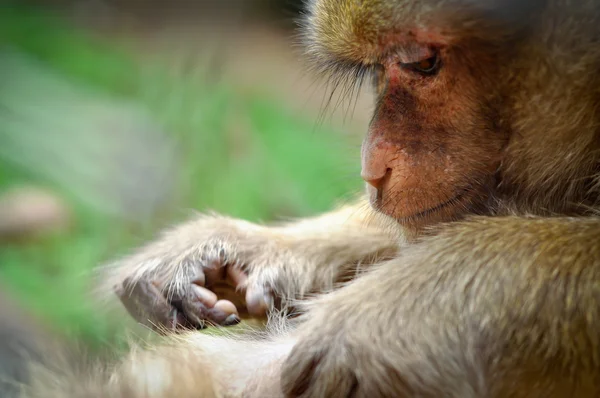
<point x="474" y="268"/>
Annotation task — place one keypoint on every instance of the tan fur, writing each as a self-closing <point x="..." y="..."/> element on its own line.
<point x="493" y="295"/>
<point x="289" y="258"/>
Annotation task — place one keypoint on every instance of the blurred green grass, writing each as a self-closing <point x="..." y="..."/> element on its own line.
<point x="242" y="154"/>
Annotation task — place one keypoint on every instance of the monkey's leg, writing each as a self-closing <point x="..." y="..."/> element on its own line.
<point x="172" y="281"/>
<point x="492" y="307"/>
<point x="193" y="365"/>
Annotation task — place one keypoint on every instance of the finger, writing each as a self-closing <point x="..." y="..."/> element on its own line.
<point x="224" y="291"/>
<point x="203" y="295"/>
<point x="201" y="306"/>
<point x="146" y="304"/>
<point x="196" y="303"/>
<point x="237" y="277"/>
<point x="258" y="301"/>
<point x="224" y="313"/>
<point x="194" y="310"/>
<point x="191" y="292"/>
<point x="226" y="307"/>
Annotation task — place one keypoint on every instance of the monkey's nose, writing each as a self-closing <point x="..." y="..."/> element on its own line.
<point x="377" y="155"/>
<point x="375" y="180"/>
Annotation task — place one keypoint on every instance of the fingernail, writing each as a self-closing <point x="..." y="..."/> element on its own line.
<point x="231" y="320"/>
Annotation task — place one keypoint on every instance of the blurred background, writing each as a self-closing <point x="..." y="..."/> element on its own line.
<point x="118" y="118"/>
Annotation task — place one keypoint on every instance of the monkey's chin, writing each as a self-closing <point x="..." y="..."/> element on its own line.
<point x="417" y="219"/>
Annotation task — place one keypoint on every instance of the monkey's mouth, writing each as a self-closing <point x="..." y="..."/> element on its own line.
<point x="458" y="198"/>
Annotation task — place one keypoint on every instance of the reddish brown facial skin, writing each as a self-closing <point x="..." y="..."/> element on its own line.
<point x="430" y="154"/>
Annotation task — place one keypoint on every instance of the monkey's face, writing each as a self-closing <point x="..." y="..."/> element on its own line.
<point x="439" y="130"/>
<point x="431" y="151"/>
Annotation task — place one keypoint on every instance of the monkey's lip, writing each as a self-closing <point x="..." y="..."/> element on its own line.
<point x="434" y="209"/>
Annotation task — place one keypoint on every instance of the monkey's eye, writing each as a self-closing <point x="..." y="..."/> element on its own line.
<point x="428" y="66"/>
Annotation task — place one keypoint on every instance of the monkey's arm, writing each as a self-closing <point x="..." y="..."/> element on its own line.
<point x="490" y="307"/>
<point x="172" y="281"/>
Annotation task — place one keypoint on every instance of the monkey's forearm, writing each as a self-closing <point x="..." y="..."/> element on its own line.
<point x="315" y="252"/>
<point x="336" y="245"/>
<point x="189" y="270"/>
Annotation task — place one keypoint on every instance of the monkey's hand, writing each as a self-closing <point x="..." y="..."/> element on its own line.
<point x="173" y="282"/>
<point x="181" y="279"/>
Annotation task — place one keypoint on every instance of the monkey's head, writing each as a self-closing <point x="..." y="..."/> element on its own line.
<point x="476" y="100"/>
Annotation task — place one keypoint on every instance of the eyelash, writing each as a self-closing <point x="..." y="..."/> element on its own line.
<point x="348" y="77"/>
